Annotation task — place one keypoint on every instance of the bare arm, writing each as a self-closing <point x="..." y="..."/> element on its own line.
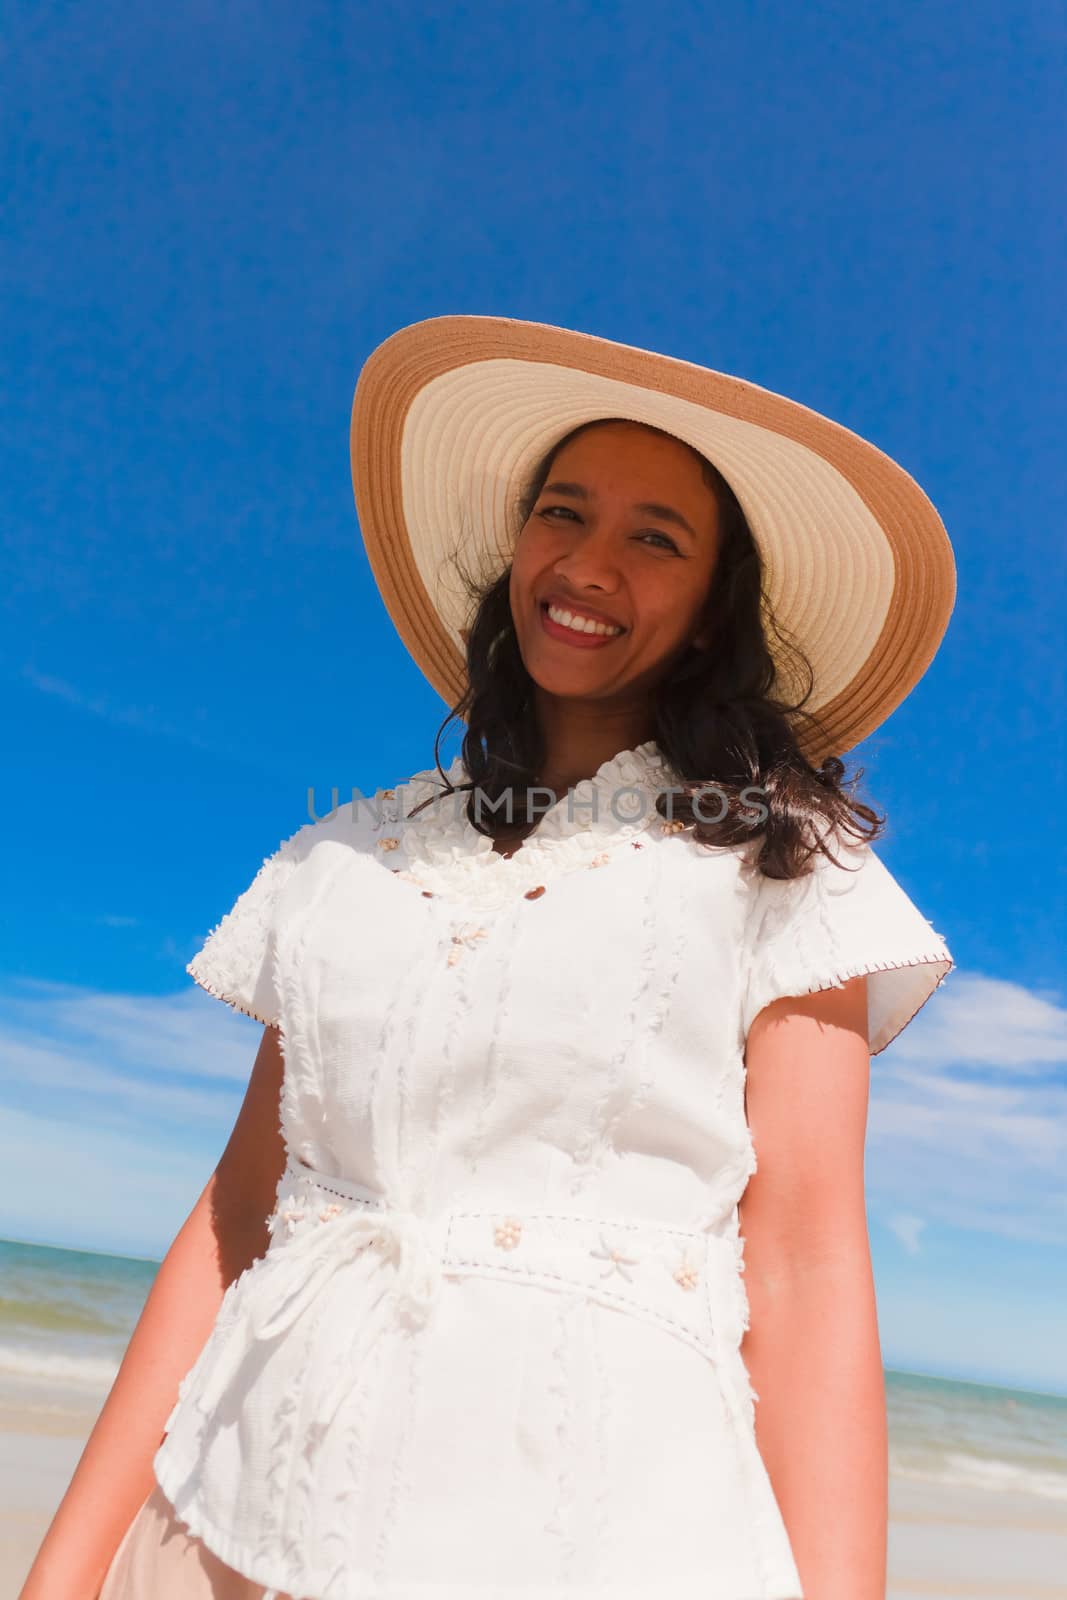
<point x="812" y="1349"/>
<point x="223" y="1234"/>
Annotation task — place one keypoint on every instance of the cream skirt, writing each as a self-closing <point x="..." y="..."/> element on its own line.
<point x="159" y="1559"/>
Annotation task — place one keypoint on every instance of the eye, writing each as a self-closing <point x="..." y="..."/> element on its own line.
<point x="569" y="511"/>
<point x="668" y="542"/>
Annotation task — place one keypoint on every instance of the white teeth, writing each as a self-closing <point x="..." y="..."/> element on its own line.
<point x="581" y="624"/>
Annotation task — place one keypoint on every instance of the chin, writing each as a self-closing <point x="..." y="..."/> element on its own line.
<point x="567" y="685"/>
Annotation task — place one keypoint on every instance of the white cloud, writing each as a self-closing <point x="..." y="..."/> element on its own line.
<point x="147" y="719"/>
<point x="986" y="1021"/>
<point x="115" y="1109"/>
<point x="969" y="1113"/>
<point x="102" y="1191"/>
<point x="907" y="1230"/>
<point x="167" y="1070"/>
<point x="188" y="1033"/>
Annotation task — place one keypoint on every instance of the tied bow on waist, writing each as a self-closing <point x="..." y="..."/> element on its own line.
<point x="303" y="1263"/>
<point x="287" y="1281"/>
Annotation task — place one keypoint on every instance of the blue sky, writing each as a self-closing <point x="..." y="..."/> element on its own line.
<point x="214" y="215"/>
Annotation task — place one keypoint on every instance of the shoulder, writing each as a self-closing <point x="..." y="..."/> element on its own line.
<point x="235" y="961"/>
<point x="846" y="901"/>
<point x="844" y="918"/>
<point x="837" y="873"/>
<point x="852" y="881"/>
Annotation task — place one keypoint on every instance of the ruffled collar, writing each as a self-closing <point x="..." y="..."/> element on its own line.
<point x="440" y="849"/>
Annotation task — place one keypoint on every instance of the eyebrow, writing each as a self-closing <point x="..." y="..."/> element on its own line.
<point x="650" y="508"/>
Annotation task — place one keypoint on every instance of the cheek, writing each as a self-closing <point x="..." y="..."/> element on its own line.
<point x="518" y="585"/>
<point x="520" y="554"/>
<point x="529" y="557"/>
<point x="669" y="611"/>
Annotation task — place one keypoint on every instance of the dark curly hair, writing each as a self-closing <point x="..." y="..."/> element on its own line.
<point x="715" y="715"/>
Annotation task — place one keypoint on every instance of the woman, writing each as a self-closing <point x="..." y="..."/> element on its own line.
<point x="472" y="1320"/>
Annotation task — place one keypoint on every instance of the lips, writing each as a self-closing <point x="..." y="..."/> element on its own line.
<point x="560" y="602"/>
<point x="584" y="629"/>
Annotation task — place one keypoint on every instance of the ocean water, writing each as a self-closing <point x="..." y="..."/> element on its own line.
<point x="66" y="1317"/>
<point x="977" y="1436"/>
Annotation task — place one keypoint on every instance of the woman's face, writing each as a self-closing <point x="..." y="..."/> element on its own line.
<point x="625" y="533"/>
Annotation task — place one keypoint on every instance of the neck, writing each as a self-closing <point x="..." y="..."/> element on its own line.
<point x="580" y="738"/>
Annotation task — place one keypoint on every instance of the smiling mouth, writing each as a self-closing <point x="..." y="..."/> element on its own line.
<point x="560" y="621"/>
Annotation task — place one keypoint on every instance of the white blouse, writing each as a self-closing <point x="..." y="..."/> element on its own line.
<point x="493" y="1347"/>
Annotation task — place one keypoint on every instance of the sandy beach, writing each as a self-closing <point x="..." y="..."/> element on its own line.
<point x="39" y="1450"/>
<point x="974" y="1544"/>
<point x="945" y="1543"/>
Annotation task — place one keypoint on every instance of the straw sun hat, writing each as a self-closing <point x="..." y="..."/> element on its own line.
<point x="451" y="415"/>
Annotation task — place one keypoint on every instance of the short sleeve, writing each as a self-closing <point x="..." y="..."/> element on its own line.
<point x="236" y="961"/>
<point x="836" y="923"/>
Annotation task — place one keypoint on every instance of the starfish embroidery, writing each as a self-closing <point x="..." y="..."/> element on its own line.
<point x="618" y="1262"/>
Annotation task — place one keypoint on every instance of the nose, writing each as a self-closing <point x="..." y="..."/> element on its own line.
<point x="591" y="561"/>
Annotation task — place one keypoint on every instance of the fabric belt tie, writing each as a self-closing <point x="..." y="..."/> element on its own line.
<point x="303" y="1263"/>
<point x="685" y="1279"/>
<point x="309" y="1259"/>
<point x="296" y="1269"/>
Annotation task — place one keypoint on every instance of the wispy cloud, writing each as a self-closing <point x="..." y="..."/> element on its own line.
<point x="114" y="1109"/>
<point x="146" y="719"/>
<point x="969" y="1113"/>
<point x="971" y="1136"/>
<point x="142" y="1036"/>
<point x="907" y="1230"/>
<point x="168" y="1071"/>
<point x="984" y="1021"/>
<point x="111" y="1191"/>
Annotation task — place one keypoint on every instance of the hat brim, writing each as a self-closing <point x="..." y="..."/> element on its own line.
<point x="451" y="415"/>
